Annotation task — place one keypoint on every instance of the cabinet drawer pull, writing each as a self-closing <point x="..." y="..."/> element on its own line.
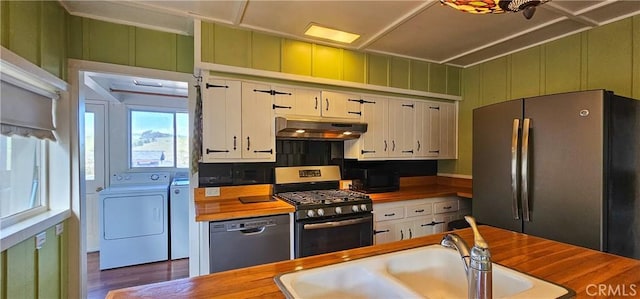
<point x="248" y="143"/>
<point x="316" y="107"/>
<point x="419" y="211"/>
<point x="327" y="100"/>
<point x="434" y="151"/>
<point x="353" y="112"/>
<point x="234" y="143"/>
<point x="408" y="152"/>
<point x="380" y="231"/>
<point x="446" y="208"/>
<point x="389" y="215"/>
<point x="362" y="152"/>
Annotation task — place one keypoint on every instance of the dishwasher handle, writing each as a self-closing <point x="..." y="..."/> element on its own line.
<point x="253" y="231"/>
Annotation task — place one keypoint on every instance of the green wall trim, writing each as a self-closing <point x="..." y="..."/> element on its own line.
<point x="320" y="61"/>
<point x="605" y="57"/>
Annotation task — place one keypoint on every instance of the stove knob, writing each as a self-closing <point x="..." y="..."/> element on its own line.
<point x="320" y="212"/>
<point x="311" y="213"/>
<point x="363" y="207"/>
<point x="355" y="208"/>
<point x="338" y="210"/>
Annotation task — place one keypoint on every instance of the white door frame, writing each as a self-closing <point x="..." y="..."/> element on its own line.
<point x="77" y="223"/>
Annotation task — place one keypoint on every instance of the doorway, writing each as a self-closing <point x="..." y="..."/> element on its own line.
<point x="102" y="127"/>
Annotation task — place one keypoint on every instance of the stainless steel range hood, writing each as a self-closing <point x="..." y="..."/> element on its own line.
<point x="321" y="129"/>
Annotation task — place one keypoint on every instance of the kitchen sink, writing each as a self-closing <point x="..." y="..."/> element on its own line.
<point x="426" y="272"/>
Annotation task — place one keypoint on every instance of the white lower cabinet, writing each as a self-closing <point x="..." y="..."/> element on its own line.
<point x="409" y="219"/>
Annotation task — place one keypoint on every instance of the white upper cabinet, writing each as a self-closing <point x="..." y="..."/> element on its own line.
<point x="401" y="128"/>
<point x="374" y="143"/>
<point x="436" y="130"/>
<point x="221" y="114"/>
<point x="258" y="124"/>
<point x="340" y="105"/>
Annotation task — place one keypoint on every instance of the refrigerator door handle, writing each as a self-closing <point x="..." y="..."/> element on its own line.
<point x="524" y="175"/>
<point x="514" y="168"/>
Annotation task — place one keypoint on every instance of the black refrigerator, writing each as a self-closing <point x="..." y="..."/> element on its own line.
<point x="563" y="167"/>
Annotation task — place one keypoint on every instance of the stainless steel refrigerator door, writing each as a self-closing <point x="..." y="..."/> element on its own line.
<point x="566" y="167"/>
<point x="493" y="201"/>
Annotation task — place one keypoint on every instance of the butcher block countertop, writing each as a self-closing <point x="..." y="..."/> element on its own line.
<point x="583" y="270"/>
<point x="425" y="187"/>
<point x="227" y="205"/>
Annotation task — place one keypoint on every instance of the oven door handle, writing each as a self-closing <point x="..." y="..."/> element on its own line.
<point x="336" y="223"/>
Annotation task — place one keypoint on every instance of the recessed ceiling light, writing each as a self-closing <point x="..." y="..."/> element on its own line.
<point x="331" y="34"/>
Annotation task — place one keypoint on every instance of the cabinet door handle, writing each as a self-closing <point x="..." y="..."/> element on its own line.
<point x="389" y="215"/>
<point x="283" y="107"/>
<point x="209" y="151"/>
<point x="401" y="235"/>
<point x="393" y="145"/>
<point x="410" y="234"/>
<point x="434" y="151"/>
<point x="353" y="112"/>
<point x="316" y="107"/>
<point x="263" y="91"/>
<point x="208" y="85"/>
<point x="419" y="211"/>
<point x="418" y="145"/>
<point x="248" y="143"/>
<point x="234" y="142"/>
<point x="275" y="92"/>
<point x="327" y="100"/>
<point x="270" y="151"/>
<point x="408" y="152"/>
<point x="385" y="145"/>
<point x="407" y="105"/>
<point x="377" y="231"/>
<point x="362" y="152"/>
<point x="437" y="108"/>
<point x="432" y="223"/>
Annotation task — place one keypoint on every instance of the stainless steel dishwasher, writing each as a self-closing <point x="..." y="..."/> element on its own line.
<point x="248" y="242"/>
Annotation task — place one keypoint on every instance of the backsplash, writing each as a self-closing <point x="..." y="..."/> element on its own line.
<point x="303" y="153"/>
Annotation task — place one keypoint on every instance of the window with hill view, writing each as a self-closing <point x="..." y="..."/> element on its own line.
<point x="159" y="139"/>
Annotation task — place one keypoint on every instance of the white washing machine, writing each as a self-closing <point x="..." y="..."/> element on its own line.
<point x="134" y="219"/>
<point x="179" y="218"/>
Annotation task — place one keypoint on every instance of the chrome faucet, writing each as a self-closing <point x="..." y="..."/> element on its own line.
<point x="477" y="263"/>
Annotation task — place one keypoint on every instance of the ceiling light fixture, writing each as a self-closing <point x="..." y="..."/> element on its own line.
<point x="147" y="83"/>
<point x="528" y="7"/>
<point x="300" y="131"/>
<point x="331" y="34"/>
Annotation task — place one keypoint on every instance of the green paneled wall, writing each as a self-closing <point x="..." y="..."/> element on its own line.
<point x="27" y="272"/>
<point x="265" y="52"/>
<point x="36" y="31"/>
<point x="606" y="57"/>
<point x="127" y="45"/>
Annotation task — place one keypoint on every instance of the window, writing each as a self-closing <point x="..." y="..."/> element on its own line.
<point x="159" y="139"/>
<point x="21" y="178"/>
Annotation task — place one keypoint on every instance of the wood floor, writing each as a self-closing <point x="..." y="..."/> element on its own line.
<point x="101" y="282"/>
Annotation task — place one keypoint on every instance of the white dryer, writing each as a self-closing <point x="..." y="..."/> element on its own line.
<point x="133" y="220"/>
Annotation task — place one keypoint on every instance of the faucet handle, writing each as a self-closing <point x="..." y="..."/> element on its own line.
<point x="477" y="238"/>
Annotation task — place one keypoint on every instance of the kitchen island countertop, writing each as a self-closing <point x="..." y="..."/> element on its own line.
<point x="587" y="272"/>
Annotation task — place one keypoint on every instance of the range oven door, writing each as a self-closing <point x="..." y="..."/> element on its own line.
<point x="328" y="235"/>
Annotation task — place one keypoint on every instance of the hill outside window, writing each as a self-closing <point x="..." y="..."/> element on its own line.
<point x="158" y="139"/>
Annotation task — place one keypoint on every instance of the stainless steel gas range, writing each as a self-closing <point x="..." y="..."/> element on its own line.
<point x="327" y="219"/>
